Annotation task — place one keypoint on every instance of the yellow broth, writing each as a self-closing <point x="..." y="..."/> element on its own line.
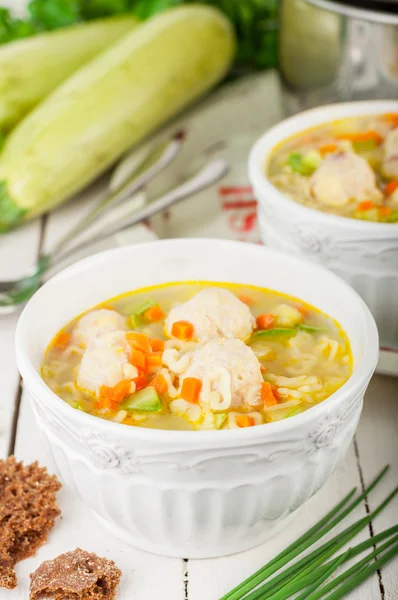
<point x="347" y="167"/>
<point x="304" y="356"/>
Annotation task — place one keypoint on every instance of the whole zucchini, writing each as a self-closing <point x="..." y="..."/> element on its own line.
<point x="109" y="105"/>
<point x="31" y="69"/>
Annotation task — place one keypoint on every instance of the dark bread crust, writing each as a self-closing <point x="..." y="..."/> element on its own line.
<point x="28" y="510"/>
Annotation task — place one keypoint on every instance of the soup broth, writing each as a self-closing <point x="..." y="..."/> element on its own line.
<point x="347" y="167"/>
<point x="198" y="356"/>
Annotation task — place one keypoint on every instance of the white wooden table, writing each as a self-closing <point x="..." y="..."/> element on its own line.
<point x="148" y="577"/>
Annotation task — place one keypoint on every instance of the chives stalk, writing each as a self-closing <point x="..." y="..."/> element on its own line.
<point x="319" y="555"/>
<point x="354" y="569"/>
<point x="352" y="583"/>
<point x="335" y="565"/>
<point x="299" y="582"/>
<point x="268" y="569"/>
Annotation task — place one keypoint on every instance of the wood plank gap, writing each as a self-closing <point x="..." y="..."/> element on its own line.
<point x="15" y="416"/>
<point x="367" y="508"/>
<point x="18" y="395"/>
<point x="186" y="579"/>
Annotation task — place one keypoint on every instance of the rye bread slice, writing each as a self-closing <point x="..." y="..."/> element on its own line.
<point x="28" y="510"/>
<point x="75" y="575"/>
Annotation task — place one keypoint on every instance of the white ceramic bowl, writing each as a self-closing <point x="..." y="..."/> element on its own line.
<point x="194" y="494"/>
<point x="364" y="254"/>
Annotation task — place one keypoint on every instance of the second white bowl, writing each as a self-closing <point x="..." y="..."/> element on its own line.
<point x="364" y="254"/>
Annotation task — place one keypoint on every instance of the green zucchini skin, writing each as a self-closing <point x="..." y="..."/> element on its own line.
<point x="113" y="103"/>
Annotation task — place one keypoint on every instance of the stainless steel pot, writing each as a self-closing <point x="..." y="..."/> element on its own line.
<point x="333" y="51"/>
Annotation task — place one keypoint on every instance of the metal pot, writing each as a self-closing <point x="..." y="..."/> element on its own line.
<point x="333" y="51"/>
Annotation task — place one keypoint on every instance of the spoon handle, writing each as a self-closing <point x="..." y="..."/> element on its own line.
<point x="209" y="174"/>
<point x="142" y="173"/>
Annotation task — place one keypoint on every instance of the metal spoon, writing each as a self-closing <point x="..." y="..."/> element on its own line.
<point x="22" y="289"/>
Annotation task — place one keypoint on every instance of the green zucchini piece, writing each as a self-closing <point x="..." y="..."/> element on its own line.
<point x="146" y="400"/>
<point x="311" y="328"/>
<point x="219" y="420"/>
<point x="275" y="333"/>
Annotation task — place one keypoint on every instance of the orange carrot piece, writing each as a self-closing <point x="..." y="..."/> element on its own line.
<point x="393" y="118"/>
<point x="366" y="205"/>
<point x="190" y="389"/>
<point x="156" y="345"/>
<point x="154" y="363"/>
<point x="244" y="421"/>
<point x="61" y="340"/>
<point x="139" y="341"/>
<point x="385" y="211"/>
<point x="154" y="314"/>
<point x="245" y="299"/>
<point x="160" y="384"/>
<point x="327" y="148"/>
<point x="267" y="394"/>
<point x="138" y="359"/>
<point x="303" y="310"/>
<point x="265" y="321"/>
<point x="362" y="136"/>
<point x="391" y="187"/>
<point x="110" y="397"/>
<point x="182" y="330"/>
<point x="141" y="381"/>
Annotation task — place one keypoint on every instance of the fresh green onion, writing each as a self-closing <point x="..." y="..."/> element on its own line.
<point x="295" y="160"/>
<point x="293" y="412"/>
<point x="146" y="400"/>
<point x="333" y="518"/>
<point x="393" y="218"/>
<point x="363" y="574"/>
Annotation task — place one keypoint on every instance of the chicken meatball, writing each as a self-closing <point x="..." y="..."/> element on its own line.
<point x="214" y="312"/>
<point x="342" y="177"/>
<point x="105" y="362"/>
<point x="390" y="163"/>
<point x="229" y="371"/>
<point x="96" y="323"/>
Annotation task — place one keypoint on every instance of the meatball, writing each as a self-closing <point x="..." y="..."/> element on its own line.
<point x="105" y="362"/>
<point x="214" y="312"/>
<point x="390" y="163"/>
<point x="230" y="373"/>
<point x="342" y="177"/>
<point x="96" y="323"/>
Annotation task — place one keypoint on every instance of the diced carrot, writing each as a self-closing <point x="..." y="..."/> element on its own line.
<point x="265" y="321"/>
<point x="263" y="368"/>
<point x="391" y="187"/>
<point x="267" y="394"/>
<point x="141" y="381"/>
<point x="245" y="299"/>
<point x="393" y="118"/>
<point x="154" y="362"/>
<point x="362" y="136"/>
<point x="139" y="341"/>
<point x="61" y="340"/>
<point x="110" y="397"/>
<point x="154" y="314"/>
<point x="365" y="205"/>
<point x="138" y="359"/>
<point x="303" y="310"/>
<point x="327" y="148"/>
<point x="244" y="421"/>
<point x="190" y="389"/>
<point x="156" y="345"/>
<point x="182" y="330"/>
<point x="385" y="211"/>
<point x="160" y="384"/>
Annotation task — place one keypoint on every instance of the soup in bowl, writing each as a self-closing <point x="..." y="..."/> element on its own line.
<point x="212" y="474"/>
<point x="198" y="356"/>
<point x="326" y="184"/>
